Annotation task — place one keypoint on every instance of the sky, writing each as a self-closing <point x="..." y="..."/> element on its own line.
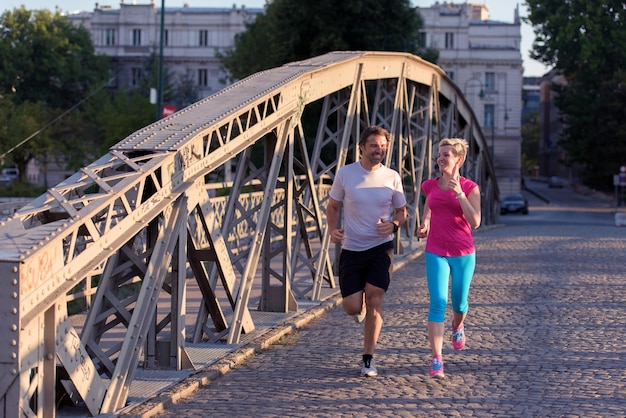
<point x="502" y="10"/>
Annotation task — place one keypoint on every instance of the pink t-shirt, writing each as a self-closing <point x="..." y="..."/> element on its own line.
<point x="450" y="234"/>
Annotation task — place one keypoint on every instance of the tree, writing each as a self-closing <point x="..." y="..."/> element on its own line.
<point x="530" y="142"/>
<point x="186" y="90"/>
<point x="44" y="57"/>
<point x="293" y="30"/>
<point x="47" y="67"/>
<point x="17" y="123"/>
<point x="120" y="114"/>
<point x="585" y="41"/>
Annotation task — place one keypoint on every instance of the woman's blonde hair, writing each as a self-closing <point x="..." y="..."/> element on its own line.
<point x="459" y="145"/>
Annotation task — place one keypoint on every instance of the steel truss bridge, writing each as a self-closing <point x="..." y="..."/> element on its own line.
<point x="136" y="225"/>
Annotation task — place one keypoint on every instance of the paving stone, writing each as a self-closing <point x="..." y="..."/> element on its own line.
<point x="545" y="339"/>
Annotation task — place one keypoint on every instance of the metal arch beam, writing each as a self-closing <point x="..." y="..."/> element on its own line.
<point x="108" y="213"/>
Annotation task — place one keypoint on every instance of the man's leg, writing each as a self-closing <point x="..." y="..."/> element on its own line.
<point x="352" y="304"/>
<point x="373" y="319"/>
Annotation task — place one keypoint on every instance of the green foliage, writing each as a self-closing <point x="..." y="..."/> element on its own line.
<point x="585" y="41"/>
<point x="17" y="123"/>
<point x="47" y="66"/>
<point x="293" y="30"/>
<point x="119" y="114"/>
<point x="530" y="142"/>
<point x="21" y="189"/>
<point x="45" y="58"/>
<point x="186" y="90"/>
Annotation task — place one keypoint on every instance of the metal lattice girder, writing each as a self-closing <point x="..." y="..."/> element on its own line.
<point x="133" y="220"/>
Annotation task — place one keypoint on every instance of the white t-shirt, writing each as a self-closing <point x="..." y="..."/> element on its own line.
<point x="367" y="197"/>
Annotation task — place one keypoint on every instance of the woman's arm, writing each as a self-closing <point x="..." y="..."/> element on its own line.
<point x="471" y="206"/>
<point x="422" y="231"/>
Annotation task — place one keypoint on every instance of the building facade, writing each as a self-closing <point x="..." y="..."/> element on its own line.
<point x="484" y="58"/>
<point x="192" y="37"/>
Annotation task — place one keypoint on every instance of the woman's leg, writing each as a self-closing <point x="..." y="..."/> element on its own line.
<point x="437" y="276"/>
<point x="461" y="272"/>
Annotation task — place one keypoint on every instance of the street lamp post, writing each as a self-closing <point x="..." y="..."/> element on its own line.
<point x="159" y="114"/>
<point x="622" y="182"/>
<point x="493" y="141"/>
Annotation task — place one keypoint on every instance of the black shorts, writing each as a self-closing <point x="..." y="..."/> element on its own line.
<point x="373" y="266"/>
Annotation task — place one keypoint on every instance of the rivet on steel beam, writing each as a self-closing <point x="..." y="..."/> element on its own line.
<point x="14" y="269"/>
<point x="13" y="372"/>
<point x="14" y="295"/>
<point x="13" y="355"/>
<point x="13" y="327"/>
<point x="14" y="282"/>
<point x="13" y="343"/>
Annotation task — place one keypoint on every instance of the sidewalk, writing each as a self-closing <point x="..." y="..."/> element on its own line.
<point x="545" y="338"/>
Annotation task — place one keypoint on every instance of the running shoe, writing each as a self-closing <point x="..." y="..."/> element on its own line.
<point x="436" y="367"/>
<point x="458" y="336"/>
<point x="361" y="315"/>
<point x="369" y="370"/>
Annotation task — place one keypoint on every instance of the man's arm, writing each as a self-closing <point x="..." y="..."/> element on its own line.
<point x="399" y="216"/>
<point x="332" y="220"/>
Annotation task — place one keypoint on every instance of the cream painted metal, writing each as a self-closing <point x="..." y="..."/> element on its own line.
<point x="140" y="218"/>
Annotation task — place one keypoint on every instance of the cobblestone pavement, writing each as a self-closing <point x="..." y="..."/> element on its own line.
<point x="545" y="339"/>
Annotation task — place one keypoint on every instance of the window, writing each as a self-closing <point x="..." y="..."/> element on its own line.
<point x="109" y="37"/>
<point x="166" y="37"/>
<point x="203" y="77"/>
<point x="112" y="82"/>
<point x="421" y="40"/>
<point x="204" y="38"/>
<point x="136" y="37"/>
<point x="449" y="40"/>
<point x="490" y="81"/>
<point x="136" y="76"/>
<point x="451" y="74"/>
<point x="489" y="116"/>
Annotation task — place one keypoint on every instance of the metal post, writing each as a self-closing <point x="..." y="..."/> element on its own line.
<point x="159" y="114"/>
<point x="493" y="142"/>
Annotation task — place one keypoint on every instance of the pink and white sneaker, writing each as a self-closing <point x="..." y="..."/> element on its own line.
<point x="436" y="367"/>
<point x="458" y="337"/>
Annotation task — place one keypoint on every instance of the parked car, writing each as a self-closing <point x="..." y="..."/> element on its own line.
<point x="8" y="175"/>
<point x="556" y="182"/>
<point x="515" y="203"/>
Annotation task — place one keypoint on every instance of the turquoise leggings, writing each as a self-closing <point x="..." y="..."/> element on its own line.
<point x="438" y="272"/>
